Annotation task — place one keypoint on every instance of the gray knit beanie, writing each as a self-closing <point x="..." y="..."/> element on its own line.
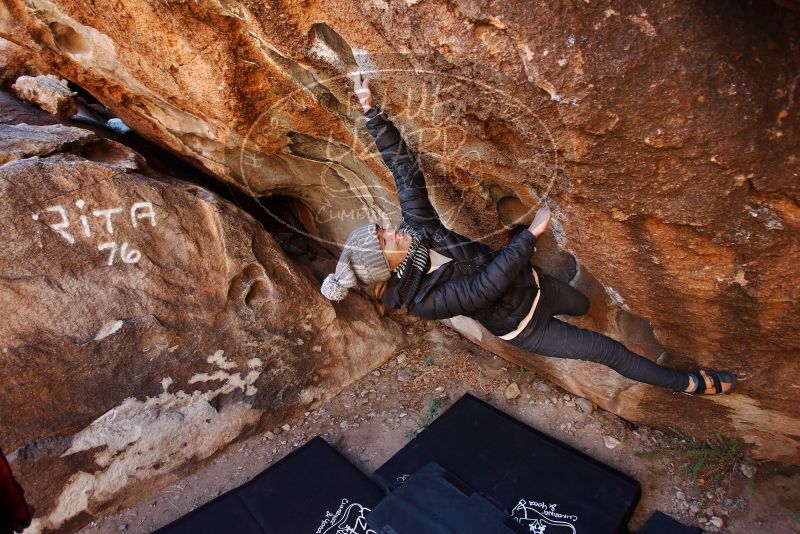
<point x="362" y="260"/>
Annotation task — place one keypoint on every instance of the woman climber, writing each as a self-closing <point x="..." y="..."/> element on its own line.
<point x="437" y="274"/>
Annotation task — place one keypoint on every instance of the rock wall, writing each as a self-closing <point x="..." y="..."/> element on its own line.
<point x="149" y="322"/>
<point x="664" y="137"/>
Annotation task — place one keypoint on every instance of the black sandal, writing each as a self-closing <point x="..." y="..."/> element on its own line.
<point x="717" y="379"/>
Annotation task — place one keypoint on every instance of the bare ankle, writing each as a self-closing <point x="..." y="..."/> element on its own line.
<point x="693" y="385"/>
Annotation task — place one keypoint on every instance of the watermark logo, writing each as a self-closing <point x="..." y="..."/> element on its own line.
<point x="313" y="144"/>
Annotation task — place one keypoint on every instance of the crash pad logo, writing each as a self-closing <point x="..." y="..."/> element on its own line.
<point x="542" y="518"/>
<point x="349" y="518"/>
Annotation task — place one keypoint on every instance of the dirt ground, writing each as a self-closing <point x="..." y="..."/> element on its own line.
<point x="368" y="422"/>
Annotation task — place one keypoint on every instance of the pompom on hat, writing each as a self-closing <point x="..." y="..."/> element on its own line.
<point x="362" y="260"/>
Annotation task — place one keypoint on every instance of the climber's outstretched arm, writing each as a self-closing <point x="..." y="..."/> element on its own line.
<point x="415" y="205"/>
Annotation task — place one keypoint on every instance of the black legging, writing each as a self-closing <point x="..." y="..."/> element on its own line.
<point x="548" y="336"/>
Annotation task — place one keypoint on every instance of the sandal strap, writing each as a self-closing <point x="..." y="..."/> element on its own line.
<point x="716" y="381"/>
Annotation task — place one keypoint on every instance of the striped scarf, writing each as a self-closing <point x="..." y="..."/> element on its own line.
<point x="416" y="263"/>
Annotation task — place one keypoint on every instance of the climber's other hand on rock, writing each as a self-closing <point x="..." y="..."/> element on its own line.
<point x="361" y="88"/>
<point x="540" y="221"/>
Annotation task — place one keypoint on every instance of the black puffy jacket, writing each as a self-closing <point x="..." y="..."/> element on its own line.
<point x="496" y="288"/>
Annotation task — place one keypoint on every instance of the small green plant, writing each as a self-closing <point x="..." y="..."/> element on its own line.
<point x="715" y="460"/>
<point x="427" y="362"/>
<point x="522" y="371"/>
<point x="421" y="339"/>
<point x="434" y="406"/>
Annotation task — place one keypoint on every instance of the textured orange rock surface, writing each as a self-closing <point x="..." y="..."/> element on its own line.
<point x="148" y="323"/>
<point x="665" y="138"/>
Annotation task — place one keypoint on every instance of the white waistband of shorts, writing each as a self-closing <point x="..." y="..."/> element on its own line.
<point x="527" y="319"/>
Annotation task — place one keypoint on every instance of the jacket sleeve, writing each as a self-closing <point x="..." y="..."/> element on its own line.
<point x="415" y="205"/>
<point x="467" y="294"/>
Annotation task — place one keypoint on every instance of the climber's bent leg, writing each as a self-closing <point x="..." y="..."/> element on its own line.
<point x="562" y="298"/>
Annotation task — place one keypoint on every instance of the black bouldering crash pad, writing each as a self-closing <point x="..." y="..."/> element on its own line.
<point x="660" y="523"/>
<point x="432" y="501"/>
<point x="549" y="487"/>
<point x="312" y="490"/>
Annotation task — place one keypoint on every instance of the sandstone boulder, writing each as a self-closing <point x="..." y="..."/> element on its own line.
<point x="148" y="324"/>
<point x="19" y="141"/>
<point x="664" y="138"/>
<point x="49" y="92"/>
<point x="14" y="62"/>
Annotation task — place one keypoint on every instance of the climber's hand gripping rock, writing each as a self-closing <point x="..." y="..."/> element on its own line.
<point x="361" y="88"/>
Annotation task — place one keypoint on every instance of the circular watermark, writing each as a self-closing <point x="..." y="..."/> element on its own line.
<point x="460" y="151"/>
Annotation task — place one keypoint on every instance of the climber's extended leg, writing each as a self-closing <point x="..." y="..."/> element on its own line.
<point x="562" y="340"/>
